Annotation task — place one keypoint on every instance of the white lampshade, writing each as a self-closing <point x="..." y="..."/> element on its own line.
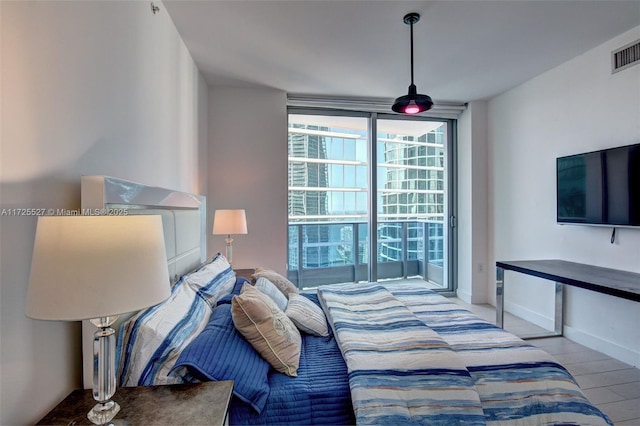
<point x="87" y="267"/>
<point x="229" y="222"/>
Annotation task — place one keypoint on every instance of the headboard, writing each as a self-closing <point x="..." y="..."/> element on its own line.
<point x="183" y="220"/>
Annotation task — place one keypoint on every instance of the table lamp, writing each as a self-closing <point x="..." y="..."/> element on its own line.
<point x="96" y="267"/>
<point x="229" y="222"/>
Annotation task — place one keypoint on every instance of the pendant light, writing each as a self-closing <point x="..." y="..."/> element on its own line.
<point x="413" y="103"/>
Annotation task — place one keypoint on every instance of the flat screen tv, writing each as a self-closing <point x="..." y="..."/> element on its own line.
<point x="600" y="187"/>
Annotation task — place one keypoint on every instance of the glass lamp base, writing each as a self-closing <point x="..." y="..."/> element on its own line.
<point x="229" y="241"/>
<point x="103" y="412"/>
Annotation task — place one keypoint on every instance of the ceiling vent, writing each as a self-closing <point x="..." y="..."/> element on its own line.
<point x="625" y="57"/>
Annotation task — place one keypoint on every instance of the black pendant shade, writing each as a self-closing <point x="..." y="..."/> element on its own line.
<point x="412" y="103"/>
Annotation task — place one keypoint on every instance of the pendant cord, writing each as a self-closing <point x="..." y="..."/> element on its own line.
<point x="411" y="24"/>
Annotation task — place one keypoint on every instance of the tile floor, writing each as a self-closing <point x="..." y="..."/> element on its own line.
<point x="612" y="385"/>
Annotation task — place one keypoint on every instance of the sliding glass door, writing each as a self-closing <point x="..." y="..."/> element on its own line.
<point x="341" y="209"/>
<point x="328" y="189"/>
<point x="412" y="200"/>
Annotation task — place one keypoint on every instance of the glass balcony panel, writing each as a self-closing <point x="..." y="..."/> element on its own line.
<point x="293" y="248"/>
<point x="327" y="249"/>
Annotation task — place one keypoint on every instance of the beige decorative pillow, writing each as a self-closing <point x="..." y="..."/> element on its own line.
<point x="283" y="284"/>
<point x="268" y="329"/>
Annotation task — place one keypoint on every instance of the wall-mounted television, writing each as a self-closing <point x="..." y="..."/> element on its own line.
<point x="600" y="187"/>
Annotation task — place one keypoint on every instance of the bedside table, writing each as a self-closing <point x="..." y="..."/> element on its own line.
<point x="204" y="403"/>
<point x="244" y="273"/>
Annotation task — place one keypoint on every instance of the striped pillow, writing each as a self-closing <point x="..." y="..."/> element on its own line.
<point x="150" y="342"/>
<point x="268" y="288"/>
<point x="306" y="315"/>
<point x="214" y="280"/>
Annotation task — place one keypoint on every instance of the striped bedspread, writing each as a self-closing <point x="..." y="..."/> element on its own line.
<point x="416" y="358"/>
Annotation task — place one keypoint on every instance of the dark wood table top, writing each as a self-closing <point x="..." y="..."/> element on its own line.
<point x="188" y="404"/>
<point x="244" y="273"/>
<point x="613" y="282"/>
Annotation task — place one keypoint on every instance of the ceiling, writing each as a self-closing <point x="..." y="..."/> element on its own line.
<point x="464" y="50"/>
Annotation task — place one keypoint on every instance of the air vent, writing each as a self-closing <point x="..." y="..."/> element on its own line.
<point x="625" y="57"/>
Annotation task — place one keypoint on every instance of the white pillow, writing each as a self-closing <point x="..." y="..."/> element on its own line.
<point x="306" y="315"/>
<point x="151" y="341"/>
<point x="268" y="288"/>
<point x="213" y="281"/>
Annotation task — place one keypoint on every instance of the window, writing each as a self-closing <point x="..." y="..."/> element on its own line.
<point x="330" y="225"/>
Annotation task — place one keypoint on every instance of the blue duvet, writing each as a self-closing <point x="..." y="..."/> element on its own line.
<point x="262" y="396"/>
<point x="319" y="395"/>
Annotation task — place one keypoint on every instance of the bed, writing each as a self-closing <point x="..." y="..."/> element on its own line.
<point x="362" y="353"/>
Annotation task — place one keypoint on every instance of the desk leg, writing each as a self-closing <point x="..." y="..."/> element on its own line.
<point x="500" y="297"/>
<point x="558" y="318"/>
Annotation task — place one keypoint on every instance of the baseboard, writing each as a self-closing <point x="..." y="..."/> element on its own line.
<point x="528" y="315"/>
<point x="599" y="344"/>
<point x="465" y="296"/>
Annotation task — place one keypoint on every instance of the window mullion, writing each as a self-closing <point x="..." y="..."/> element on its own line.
<point x="373" y="198"/>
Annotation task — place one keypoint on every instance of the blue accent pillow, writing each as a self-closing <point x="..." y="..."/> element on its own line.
<point x="221" y="353"/>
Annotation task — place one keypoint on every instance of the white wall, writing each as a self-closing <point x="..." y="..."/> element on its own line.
<point x="87" y="88"/>
<point x="248" y="169"/>
<point x="472" y="204"/>
<point x="577" y="107"/>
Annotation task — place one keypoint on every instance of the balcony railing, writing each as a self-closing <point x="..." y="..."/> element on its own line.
<point x="338" y="252"/>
